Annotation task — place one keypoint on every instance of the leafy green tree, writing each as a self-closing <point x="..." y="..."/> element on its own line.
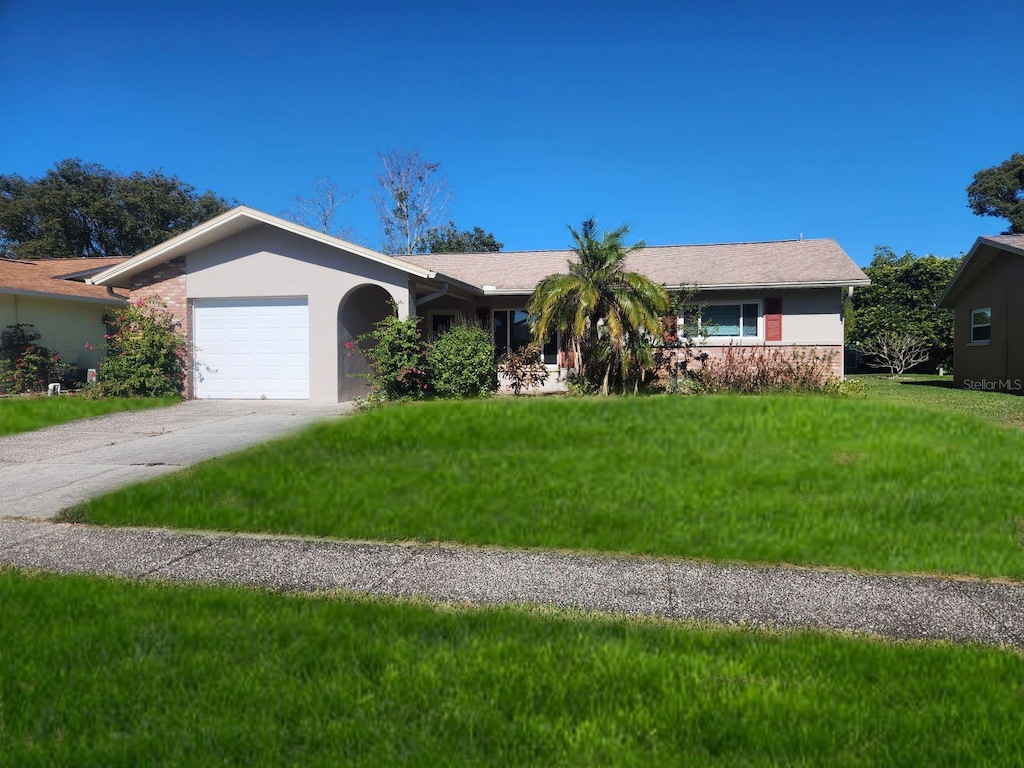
<point x="901" y="300"/>
<point x="83" y="209"/>
<point x="448" y="239"/>
<point x="999" y="191"/>
<point x="599" y="307"/>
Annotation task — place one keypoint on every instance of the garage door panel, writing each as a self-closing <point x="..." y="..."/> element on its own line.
<point x="252" y="347"/>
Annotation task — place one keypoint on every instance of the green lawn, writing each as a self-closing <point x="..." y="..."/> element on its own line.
<point x="939" y="393"/>
<point x="807" y="480"/>
<point x="107" y="672"/>
<point x="24" y="414"/>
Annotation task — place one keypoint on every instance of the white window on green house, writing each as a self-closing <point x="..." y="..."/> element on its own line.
<point x="731" y="321"/>
<point x="981" y="325"/>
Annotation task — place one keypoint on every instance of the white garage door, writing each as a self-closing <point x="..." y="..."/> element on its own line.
<point x="252" y="348"/>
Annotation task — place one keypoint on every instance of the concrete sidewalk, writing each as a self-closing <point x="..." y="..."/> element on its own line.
<point x="43" y="472"/>
<point x="905" y="607"/>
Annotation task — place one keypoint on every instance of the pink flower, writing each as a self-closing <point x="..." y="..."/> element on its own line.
<point x="88" y="345"/>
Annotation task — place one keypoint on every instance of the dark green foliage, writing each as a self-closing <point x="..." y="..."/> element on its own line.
<point x="999" y="191"/>
<point x="84" y="209"/>
<point x="901" y="299"/>
<point x="461" y="361"/>
<point x="782" y="478"/>
<point x="146" y="354"/>
<point x="397" y="355"/>
<point x="24" y="365"/>
<point x="448" y="239"/>
<point x="104" y="672"/>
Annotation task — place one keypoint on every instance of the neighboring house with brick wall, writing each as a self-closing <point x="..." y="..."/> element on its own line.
<point x="52" y="296"/>
<point x="988" y="315"/>
<point x="272" y="308"/>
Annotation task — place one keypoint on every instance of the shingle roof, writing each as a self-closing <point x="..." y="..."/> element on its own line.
<point x="779" y="263"/>
<point x="50" y="277"/>
<point x="1011" y="242"/>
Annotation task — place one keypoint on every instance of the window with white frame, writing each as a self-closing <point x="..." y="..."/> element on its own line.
<point x="741" y="320"/>
<point x="981" y="325"/>
<point x="512" y="332"/>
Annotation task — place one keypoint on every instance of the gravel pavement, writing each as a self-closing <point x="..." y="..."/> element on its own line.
<point x="904" y="607"/>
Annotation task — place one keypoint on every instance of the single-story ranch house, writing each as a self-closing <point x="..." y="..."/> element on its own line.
<point x="270" y="306"/>
<point x="52" y="296"/>
<point x="988" y="315"/>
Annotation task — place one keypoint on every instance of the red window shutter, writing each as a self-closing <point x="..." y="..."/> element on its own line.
<point x="773" y="319"/>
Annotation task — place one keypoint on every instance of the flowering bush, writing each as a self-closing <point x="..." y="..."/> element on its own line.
<point x="24" y="365"/>
<point x="397" y="355"/>
<point x="146" y="353"/>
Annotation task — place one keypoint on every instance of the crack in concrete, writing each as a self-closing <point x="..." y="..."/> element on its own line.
<point x="388" y="576"/>
<point x="178" y="559"/>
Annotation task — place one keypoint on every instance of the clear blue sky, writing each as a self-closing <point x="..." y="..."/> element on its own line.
<point x="692" y="121"/>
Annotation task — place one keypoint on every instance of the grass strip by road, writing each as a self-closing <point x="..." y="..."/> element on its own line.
<point x="802" y="480"/>
<point x="938" y="393"/>
<point x="25" y="414"/>
<point x="105" y="672"/>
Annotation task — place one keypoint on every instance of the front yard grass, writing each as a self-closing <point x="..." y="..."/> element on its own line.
<point x="938" y="393"/>
<point x="107" y="672"/>
<point x="802" y="480"/>
<point x="25" y="414"/>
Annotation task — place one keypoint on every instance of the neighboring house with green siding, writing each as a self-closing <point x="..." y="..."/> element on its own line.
<point x="51" y="295"/>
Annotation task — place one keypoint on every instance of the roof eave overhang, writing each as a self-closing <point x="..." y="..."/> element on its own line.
<point x="182" y="244"/>
<point x="459" y="285"/>
<point x="859" y="283"/>
<point x="109" y="299"/>
<point x="956" y="285"/>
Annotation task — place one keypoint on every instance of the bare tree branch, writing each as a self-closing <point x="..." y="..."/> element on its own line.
<point x="896" y="351"/>
<point x="319" y="209"/>
<point x="411" y="199"/>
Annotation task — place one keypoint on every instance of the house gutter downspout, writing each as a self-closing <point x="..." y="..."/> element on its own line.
<point x="435" y="295"/>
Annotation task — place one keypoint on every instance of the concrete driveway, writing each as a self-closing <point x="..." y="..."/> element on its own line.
<point x="45" y="471"/>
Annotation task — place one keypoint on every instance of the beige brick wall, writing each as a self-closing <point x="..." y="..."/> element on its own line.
<point x="166" y="282"/>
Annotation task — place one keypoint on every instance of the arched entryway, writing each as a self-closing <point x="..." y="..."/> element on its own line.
<point x="359" y="311"/>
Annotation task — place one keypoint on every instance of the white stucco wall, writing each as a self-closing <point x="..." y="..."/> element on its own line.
<point x="65" y="325"/>
<point x="267" y="262"/>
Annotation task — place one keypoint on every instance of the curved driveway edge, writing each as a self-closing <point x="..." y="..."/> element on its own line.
<point x="44" y="471"/>
<point x="902" y="607"/>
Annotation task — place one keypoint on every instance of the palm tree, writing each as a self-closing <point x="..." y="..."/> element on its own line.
<point x="600" y="309"/>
